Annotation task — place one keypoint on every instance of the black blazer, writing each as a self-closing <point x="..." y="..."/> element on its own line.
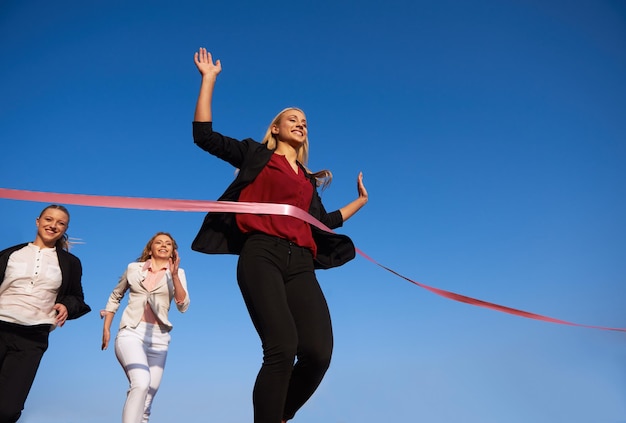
<point x="71" y="291"/>
<point x="220" y="234"/>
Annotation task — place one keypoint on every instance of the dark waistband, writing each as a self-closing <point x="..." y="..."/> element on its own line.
<point x="274" y="238"/>
<point x="16" y="327"/>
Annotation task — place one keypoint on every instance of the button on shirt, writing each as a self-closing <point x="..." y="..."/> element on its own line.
<point x="31" y="282"/>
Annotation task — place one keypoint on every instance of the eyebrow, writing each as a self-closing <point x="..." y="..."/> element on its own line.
<point x="294" y="116"/>
<point x="48" y="216"/>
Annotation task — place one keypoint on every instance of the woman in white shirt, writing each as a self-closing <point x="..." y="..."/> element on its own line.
<point x="142" y="341"/>
<point x="40" y="288"/>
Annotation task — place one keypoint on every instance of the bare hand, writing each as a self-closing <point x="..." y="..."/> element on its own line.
<point x="361" y="188"/>
<point x="174" y="263"/>
<point x="106" y="337"/>
<point x="348" y="210"/>
<point x="205" y="65"/>
<point x="61" y="314"/>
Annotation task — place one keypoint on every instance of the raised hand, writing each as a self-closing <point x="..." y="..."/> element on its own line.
<point x="348" y="210"/>
<point x="205" y="65"/>
<point x="361" y="188"/>
<point x="174" y="262"/>
<point x="209" y="72"/>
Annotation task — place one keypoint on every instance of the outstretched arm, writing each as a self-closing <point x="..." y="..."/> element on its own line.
<point x="209" y="72"/>
<point x="350" y="209"/>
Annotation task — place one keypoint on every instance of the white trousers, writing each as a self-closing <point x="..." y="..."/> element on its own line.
<point x="141" y="352"/>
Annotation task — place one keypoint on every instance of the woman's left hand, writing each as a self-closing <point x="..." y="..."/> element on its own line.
<point x="174" y="263"/>
<point x="361" y="188"/>
<point x="61" y="314"/>
<point x="348" y="210"/>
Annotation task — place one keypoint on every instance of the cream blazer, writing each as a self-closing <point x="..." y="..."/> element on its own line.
<point x="158" y="298"/>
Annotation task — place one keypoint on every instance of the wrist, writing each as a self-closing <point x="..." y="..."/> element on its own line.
<point x="209" y="77"/>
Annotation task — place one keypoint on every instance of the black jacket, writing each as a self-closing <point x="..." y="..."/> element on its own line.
<point x="71" y="291"/>
<point x="220" y="234"/>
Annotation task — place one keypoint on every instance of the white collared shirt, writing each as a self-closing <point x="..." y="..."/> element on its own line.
<point x="31" y="283"/>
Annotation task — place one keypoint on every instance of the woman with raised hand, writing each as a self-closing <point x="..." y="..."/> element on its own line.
<point x="40" y="288"/>
<point x="278" y="254"/>
<point x="143" y="339"/>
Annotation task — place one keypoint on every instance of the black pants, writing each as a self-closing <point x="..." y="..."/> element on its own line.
<point x="21" y="349"/>
<point x="289" y="311"/>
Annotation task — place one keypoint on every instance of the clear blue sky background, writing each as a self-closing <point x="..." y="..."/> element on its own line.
<point x="492" y="137"/>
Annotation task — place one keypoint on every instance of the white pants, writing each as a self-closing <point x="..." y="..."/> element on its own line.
<point x="141" y="352"/>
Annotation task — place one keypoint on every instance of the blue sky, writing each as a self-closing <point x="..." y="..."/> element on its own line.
<point x="492" y="138"/>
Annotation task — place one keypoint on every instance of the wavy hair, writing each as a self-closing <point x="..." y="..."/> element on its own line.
<point x="147" y="250"/>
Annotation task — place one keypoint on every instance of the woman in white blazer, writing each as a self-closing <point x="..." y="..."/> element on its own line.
<point x="142" y="341"/>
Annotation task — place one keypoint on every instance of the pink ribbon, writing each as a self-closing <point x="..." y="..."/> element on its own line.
<point x="139" y="203"/>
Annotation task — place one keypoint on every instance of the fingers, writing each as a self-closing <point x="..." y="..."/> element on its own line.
<point x="106" y="336"/>
<point x="175" y="262"/>
<point x="360" y="186"/>
<point x="175" y="258"/>
<point x="199" y="57"/>
<point x="203" y="56"/>
<point x="62" y="314"/>
<point x="61" y="318"/>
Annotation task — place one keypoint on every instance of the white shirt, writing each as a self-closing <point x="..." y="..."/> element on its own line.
<point x="31" y="283"/>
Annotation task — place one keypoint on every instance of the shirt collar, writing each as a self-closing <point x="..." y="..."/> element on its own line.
<point x="31" y="245"/>
<point x="148" y="266"/>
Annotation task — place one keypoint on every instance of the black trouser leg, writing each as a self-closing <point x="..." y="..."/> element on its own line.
<point x="21" y="350"/>
<point x="289" y="311"/>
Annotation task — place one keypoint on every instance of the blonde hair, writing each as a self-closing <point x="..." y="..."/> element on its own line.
<point x="324" y="177"/>
<point x="147" y="250"/>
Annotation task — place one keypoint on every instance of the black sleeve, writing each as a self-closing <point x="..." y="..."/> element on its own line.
<point x="228" y="149"/>
<point x="72" y="296"/>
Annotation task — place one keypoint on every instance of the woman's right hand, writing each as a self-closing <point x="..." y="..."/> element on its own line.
<point x="205" y="65"/>
<point x="106" y="337"/>
<point x="106" y="329"/>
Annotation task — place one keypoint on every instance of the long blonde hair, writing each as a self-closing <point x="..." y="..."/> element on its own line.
<point x="324" y="177"/>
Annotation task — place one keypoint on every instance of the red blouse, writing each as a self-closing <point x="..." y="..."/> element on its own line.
<point x="279" y="183"/>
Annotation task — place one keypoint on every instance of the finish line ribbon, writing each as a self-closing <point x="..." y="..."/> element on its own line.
<point x="139" y="203"/>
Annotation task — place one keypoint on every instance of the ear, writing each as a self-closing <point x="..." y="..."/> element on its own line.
<point x="274" y="129"/>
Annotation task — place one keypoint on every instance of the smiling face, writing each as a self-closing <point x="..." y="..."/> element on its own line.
<point x="162" y="247"/>
<point x="51" y="226"/>
<point x="291" y="128"/>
